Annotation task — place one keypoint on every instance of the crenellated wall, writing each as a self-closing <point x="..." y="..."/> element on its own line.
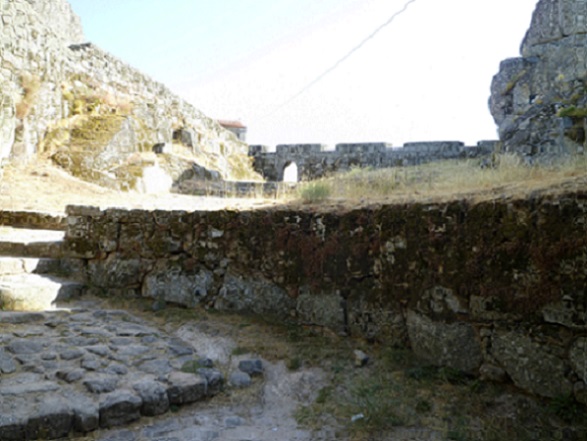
<point x="315" y="161"/>
<point x="497" y="288"/>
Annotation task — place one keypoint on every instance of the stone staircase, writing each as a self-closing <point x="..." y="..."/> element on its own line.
<point x="33" y="277"/>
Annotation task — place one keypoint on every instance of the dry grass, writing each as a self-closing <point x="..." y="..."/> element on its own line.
<point x="41" y="186"/>
<point x="449" y="180"/>
<point x="31" y="84"/>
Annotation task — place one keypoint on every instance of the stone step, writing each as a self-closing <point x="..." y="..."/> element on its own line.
<point x="27" y="265"/>
<point x="33" y="292"/>
<point x="67" y="268"/>
<point x="16" y="242"/>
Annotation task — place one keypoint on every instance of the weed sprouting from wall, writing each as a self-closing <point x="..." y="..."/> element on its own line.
<point x="31" y="85"/>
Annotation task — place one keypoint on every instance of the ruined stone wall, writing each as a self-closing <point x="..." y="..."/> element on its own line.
<point x="314" y="161"/>
<point x="43" y="60"/>
<point x="33" y="220"/>
<point x="497" y="288"/>
<point x="153" y="102"/>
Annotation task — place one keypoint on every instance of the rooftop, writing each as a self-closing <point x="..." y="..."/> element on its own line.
<point x="231" y="124"/>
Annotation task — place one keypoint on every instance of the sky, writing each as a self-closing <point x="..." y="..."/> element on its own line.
<point x="424" y="77"/>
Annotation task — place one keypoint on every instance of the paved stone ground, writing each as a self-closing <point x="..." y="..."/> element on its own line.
<point x="66" y="373"/>
<point x="87" y="369"/>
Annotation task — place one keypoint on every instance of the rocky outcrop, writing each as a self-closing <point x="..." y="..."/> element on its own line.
<point x="539" y="101"/>
<point x="55" y="90"/>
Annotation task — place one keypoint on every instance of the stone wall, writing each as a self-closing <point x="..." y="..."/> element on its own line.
<point x="539" y="100"/>
<point x="46" y="67"/>
<point x="314" y="161"/>
<point x="59" y="16"/>
<point x="497" y="288"/>
<point x="33" y="220"/>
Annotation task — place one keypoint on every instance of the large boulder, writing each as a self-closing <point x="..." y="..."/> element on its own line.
<point x="530" y="365"/>
<point x="455" y="345"/>
<point x="539" y="101"/>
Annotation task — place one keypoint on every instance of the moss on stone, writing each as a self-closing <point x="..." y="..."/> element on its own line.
<point x="572" y="112"/>
<point x="95" y="130"/>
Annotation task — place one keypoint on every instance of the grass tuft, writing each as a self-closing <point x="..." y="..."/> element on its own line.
<point x="316" y="191"/>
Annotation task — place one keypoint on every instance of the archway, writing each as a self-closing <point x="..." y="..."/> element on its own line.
<point x="290" y="172"/>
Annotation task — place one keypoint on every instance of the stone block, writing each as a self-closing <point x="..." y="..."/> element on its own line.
<point x="240" y="379"/>
<point x="322" y="309"/>
<point x="186" y="388"/>
<point x="119" y="408"/>
<point x="154" y="396"/>
<point x="86" y="412"/>
<point x="253" y="293"/>
<point x="251" y="367"/>
<point x="100" y="384"/>
<point x="375" y="321"/>
<point x="214" y="378"/>
<point x="173" y="285"/>
<point x="51" y="419"/>
<point x="116" y="272"/>
<point x="529" y="365"/>
<point x="454" y="345"/>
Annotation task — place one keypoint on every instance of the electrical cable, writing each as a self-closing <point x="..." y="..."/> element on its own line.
<point x="340" y="61"/>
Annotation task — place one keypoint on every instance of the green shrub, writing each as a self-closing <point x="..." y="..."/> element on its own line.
<point x="316" y="191"/>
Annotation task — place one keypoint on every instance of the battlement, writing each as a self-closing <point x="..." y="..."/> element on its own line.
<point x="373" y="147"/>
<point x="299" y="149"/>
<point x="434" y="147"/>
<point x="316" y="160"/>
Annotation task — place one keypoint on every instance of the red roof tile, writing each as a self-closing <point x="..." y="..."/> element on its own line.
<point x="232" y="124"/>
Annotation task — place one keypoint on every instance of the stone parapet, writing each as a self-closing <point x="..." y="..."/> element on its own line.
<point x="374" y="147"/>
<point x="299" y="149"/>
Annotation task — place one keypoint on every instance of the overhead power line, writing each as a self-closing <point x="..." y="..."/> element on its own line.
<point x="341" y="60"/>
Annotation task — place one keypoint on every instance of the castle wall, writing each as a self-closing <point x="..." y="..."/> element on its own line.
<point x="496" y="288"/>
<point x="314" y="161"/>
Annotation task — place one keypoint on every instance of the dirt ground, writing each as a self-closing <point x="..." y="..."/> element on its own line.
<point x="39" y="186"/>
